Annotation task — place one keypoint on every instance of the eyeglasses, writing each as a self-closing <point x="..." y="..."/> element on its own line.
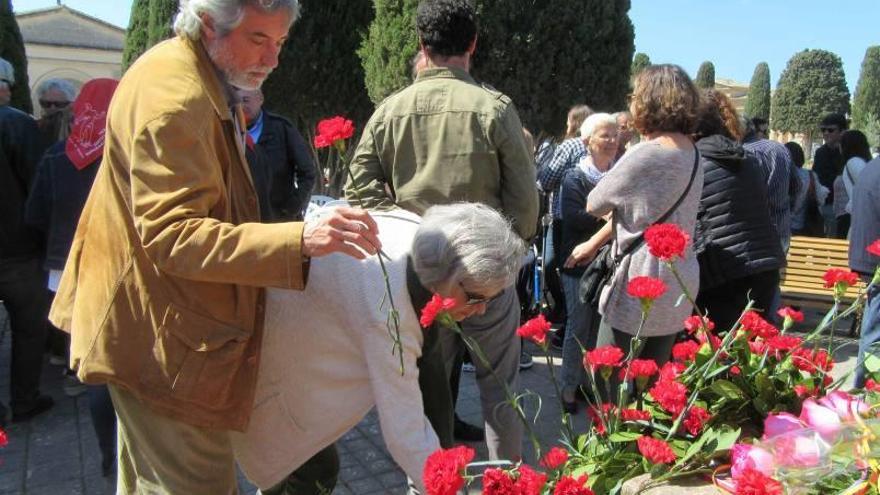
<point x="54" y="104"/>
<point x="7" y="81"/>
<point x="828" y="129"/>
<point x="475" y="299"/>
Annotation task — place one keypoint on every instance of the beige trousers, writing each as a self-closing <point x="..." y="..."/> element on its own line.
<point x="161" y="456"/>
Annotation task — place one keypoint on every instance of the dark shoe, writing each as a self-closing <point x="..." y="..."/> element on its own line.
<point x="558" y="339"/>
<point x="42" y="404"/>
<point x="525" y="360"/>
<point x="570" y="407"/>
<point x="467" y="432"/>
<point x="4" y="415"/>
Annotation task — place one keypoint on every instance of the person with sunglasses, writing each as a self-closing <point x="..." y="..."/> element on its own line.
<point x="54" y="97"/>
<point x="828" y="162"/>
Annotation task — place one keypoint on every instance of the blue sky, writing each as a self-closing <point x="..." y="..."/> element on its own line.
<point x="734" y="34"/>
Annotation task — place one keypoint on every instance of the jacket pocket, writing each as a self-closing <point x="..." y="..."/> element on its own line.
<point x="196" y="358"/>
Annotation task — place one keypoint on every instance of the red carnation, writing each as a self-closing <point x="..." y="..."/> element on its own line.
<point x="782" y="344"/>
<point x="601" y="357"/>
<point x="714" y="341"/>
<point x="753" y="323"/>
<point x="803" y="391"/>
<point x="635" y="415"/>
<point x="838" y="277"/>
<point x="671" y="370"/>
<point x="757" y="346"/>
<point x="870" y="386"/>
<point x="555" y="458"/>
<point x="754" y="482"/>
<point x="640" y="369"/>
<point x="571" y="486"/>
<point x="735" y="371"/>
<point x="791" y="313"/>
<point x="874" y="248"/>
<point x="812" y="361"/>
<point x="694" y="323"/>
<point x="444" y="470"/>
<point x="666" y="241"/>
<point x="4" y="440"/>
<point x="685" y="351"/>
<point x="597" y="419"/>
<point x="646" y="288"/>
<point x="535" y="330"/>
<point x="332" y="130"/>
<point x="696" y="419"/>
<point x="434" y="308"/>
<point x="497" y="482"/>
<point x="656" y="451"/>
<point x="530" y="482"/>
<point x="671" y="395"/>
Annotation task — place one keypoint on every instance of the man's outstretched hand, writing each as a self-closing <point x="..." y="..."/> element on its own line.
<point x="339" y="232"/>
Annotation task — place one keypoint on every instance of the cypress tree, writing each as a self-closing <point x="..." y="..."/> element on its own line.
<point x="811" y="86"/>
<point x="705" y="75"/>
<point x="12" y="50"/>
<point x="388" y="48"/>
<point x="319" y="73"/>
<point x="161" y="18"/>
<point x="137" y="35"/>
<point x="866" y="103"/>
<point x="758" y="102"/>
<point x="640" y="61"/>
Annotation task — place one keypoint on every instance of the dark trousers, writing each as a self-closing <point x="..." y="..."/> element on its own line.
<point x="23" y="291"/>
<point x="841" y="229"/>
<point x="104" y="422"/>
<point x="726" y="302"/>
<point x="552" y="264"/>
<point x="316" y="477"/>
<point x="657" y="348"/>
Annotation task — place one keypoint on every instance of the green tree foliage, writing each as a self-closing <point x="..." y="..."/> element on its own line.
<point x="866" y="103"/>
<point x="150" y="23"/>
<point x="319" y="73"/>
<point x="758" y="102"/>
<point x="640" y="61"/>
<point x="12" y="49"/>
<point x="550" y="55"/>
<point x="812" y="85"/>
<point x="388" y="48"/>
<point x="705" y="75"/>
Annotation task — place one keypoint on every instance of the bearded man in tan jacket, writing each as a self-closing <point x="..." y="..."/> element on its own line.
<point x="163" y="292"/>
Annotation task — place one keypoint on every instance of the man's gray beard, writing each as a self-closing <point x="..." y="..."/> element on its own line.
<point x="219" y="56"/>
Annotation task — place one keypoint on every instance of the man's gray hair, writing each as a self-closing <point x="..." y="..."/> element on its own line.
<point x="596" y="121"/>
<point x="468" y="244"/>
<point x="62" y="85"/>
<point x="226" y="14"/>
<point x="7" y="72"/>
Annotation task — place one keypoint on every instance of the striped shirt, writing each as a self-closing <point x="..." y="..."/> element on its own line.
<point x="566" y="157"/>
<point x="777" y="164"/>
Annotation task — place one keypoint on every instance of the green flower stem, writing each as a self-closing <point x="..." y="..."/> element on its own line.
<point x="834" y="309"/>
<point x="566" y="419"/>
<point x="393" y="320"/>
<point x="635" y="347"/>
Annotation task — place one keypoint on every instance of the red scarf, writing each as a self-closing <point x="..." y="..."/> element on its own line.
<point x="86" y="141"/>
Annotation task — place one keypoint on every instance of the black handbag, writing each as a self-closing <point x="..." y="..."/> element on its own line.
<point x="600" y="271"/>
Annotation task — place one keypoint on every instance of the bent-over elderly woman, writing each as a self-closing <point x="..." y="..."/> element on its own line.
<point x="321" y="374"/>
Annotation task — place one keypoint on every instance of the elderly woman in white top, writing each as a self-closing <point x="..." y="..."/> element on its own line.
<point x="319" y="376"/>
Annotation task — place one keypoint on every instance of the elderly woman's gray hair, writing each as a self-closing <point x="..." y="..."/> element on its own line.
<point x="62" y="85"/>
<point x="469" y="244"/>
<point x="226" y="14"/>
<point x="596" y="121"/>
<point x="7" y="73"/>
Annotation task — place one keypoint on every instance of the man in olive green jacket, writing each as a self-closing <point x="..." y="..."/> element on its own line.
<point x="444" y="139"/>
<point x="163" y="289"/>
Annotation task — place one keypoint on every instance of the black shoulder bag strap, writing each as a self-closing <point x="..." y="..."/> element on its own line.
<point x="641" y="238"/>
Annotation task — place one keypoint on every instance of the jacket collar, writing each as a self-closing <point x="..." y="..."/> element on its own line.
<point x="445" y="73"/>
<point x="217" y="89"/>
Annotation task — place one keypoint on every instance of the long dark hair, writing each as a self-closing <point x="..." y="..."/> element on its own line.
<point x="854" y="143"/>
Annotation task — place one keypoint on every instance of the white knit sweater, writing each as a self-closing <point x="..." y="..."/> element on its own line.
<point x="327" y="360"/>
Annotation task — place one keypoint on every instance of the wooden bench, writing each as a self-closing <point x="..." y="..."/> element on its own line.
<point x="808" y="259"/>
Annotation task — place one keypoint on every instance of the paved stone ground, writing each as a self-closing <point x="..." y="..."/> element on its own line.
<point x="57" y="452"/>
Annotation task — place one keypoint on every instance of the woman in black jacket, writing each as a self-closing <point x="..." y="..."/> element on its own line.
<point x="737" y="246"/>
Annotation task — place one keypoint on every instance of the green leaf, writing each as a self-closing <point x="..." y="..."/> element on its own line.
<point x="726" y="389"/>
<point x="872" y="363"/>
<point x="695" y="447"/>
<point x="624" y="436"/>
<point x="727" y="437"/>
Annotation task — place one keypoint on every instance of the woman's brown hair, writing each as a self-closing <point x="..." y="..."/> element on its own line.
<point x="664" y="99"/>
<point x="717" y="115"/>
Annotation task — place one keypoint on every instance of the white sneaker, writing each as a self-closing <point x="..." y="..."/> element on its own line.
<point x="468" y="367"/>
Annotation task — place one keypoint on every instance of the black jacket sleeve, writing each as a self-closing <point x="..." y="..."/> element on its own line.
<point x="303" y="168"/>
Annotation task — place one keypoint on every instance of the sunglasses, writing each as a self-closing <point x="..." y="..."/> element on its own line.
<point x="7" y="81"/>
<point x="828" y="129"/>
<point x="54" y="104"/>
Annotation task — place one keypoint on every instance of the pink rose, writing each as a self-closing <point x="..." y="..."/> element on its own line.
<point x="777" y="424"/>
<point x="845" y="405"/>
<point x="744" y="456"/>
<point x="799" y="450"/>
<point x="822" y="419"/>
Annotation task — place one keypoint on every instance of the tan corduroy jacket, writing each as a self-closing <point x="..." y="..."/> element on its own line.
<point x="162" y="289"/>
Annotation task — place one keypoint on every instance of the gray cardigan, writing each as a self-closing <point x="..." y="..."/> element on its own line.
<point x="641" y="187"/>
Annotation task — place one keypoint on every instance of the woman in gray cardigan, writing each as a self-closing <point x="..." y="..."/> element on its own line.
<point x="646" y="183"/>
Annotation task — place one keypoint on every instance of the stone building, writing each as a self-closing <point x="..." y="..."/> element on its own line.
<point x="61" y="42"/>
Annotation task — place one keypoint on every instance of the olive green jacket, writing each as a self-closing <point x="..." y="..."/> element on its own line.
<point x="444" y="139"/>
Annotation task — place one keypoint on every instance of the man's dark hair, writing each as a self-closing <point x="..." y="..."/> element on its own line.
<point x="835" y="119"/>
<point x="758" y="122"/>
<point x="797" y="153"/>
<point x="446" y="27"/>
